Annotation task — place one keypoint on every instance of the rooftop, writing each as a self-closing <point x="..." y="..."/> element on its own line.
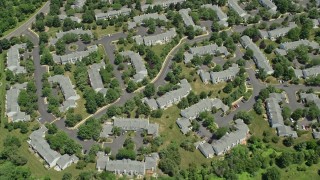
<point x="13" y="59"/>
<point x="138" y="64"/>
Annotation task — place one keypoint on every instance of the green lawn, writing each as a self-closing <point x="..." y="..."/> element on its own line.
<point x="103" y="32"/>
<point x="170" y="132"/>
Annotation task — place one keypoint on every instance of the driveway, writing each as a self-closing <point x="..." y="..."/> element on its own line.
<point x="38" y="73"/>
<point x="116" y="144"/>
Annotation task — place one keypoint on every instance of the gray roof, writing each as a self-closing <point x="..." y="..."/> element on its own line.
<point x="268" y="4"/>
<point x="78" y="4"/>
<point x="187" y="57"/>
<point x="156" y="39"/>
<point x="184" y="125"/>
<point x="95" y="77"/>
<point x="202" y="50"/>
<point x="78" y="31"/>
<point x="311" y="98"/>
<point x="101" y="160"/>
<point x="313" y="71"/>
<point x="315" y="134"/>
<point x="221" y="15"/>
<point x="187" y="19"/>
<point x="225" y="75"/>
<point x="126" y="166"/>
<point x="205" y="76"/>
<point x="280" y="97"/>
<point x="106" y="130"/>
<point x="274" y="112"/>
<point x="13" y="59"/>
<point x="286" y="131"/>
<point x="233" y="138"/>
<point x="280" y="52"/>
<point x="245" y="41"/>
<point x="73" y="18"/>
<point x="281" y="31"/>
<point x="208" y="49"/>
<point x="259" y="58"/>
<point x="235" y="6"/>
<point x="74" y="56"/>
<point x="139" y="19"/>
<point x="175" y="96"/>
<point x="130" y="124"/>
<point x="138" y="64"/>
<point x="263" y="34"/>
<point x="151" y="161"/>
<point x="163" y="3"/>
<point x="206" y="149"/>
<point x="70" y="95"/>
<point x="315" y="23"/>
<point x="193" y="111"/>
<point x="40" y="145"/>
<point x="298" y="73"/>
<point x="12" y="107"/>
<point x="113" y="13"/>
<point x="292" y="45"/>
<point x="152" y="103"/>
<point x="65" y="160"/>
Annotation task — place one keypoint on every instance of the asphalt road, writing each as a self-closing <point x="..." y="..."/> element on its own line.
<point x="38" y="73"/>
<point x="22" y="29"/>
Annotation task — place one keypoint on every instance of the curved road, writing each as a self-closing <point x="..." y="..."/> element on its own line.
<point x="109" y="48"/>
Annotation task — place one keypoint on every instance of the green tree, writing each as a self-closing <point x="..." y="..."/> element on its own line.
<point x="132" y="86"/>
<point x="149" y="90"/>
<point x="90" y="130"/>
<point x="220" y="132"/>
<point x="272" y="173"/>
<point x="67" y="176"/>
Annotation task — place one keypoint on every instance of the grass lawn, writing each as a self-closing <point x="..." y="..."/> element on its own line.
<point x="198" y="86"/>
<point x="157" y="49"/>
<point x="102" y="32"/>
<point x="126" y="47"/>
<point x="52" y="31"/>
<point x="272" y="80"/>
<point x="170" y="132"/>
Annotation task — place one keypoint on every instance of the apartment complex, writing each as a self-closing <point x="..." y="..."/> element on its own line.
<point x="69" y="94"/>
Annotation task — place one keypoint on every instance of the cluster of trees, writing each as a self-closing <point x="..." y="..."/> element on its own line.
<point x="127" y="152"/>
<point x="152" y="23"/>
<point x="222" y="38"/>
<point x="239" y="84"/>
<point x="90" y="129"/>
<point x="12" y="12"/>
<point x="282" y="68"/>
<point x="207" y="119"/>
<point x="302" y="32"/>
<point x="170" y="159"/>
<point x="5" y="44"/>
<point x="313" y="81"/>
<point x="28" y="98"/>
<point x="61" y="142"/>
<point x="173" y="75"/>
<point x="23" y="126"/>
<point x="244" y="115"/>
<point x="53" y="100"/>
<point x="191" y="99"/>
<point x="12" y="164"/>
<point x="72" y="119"/>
